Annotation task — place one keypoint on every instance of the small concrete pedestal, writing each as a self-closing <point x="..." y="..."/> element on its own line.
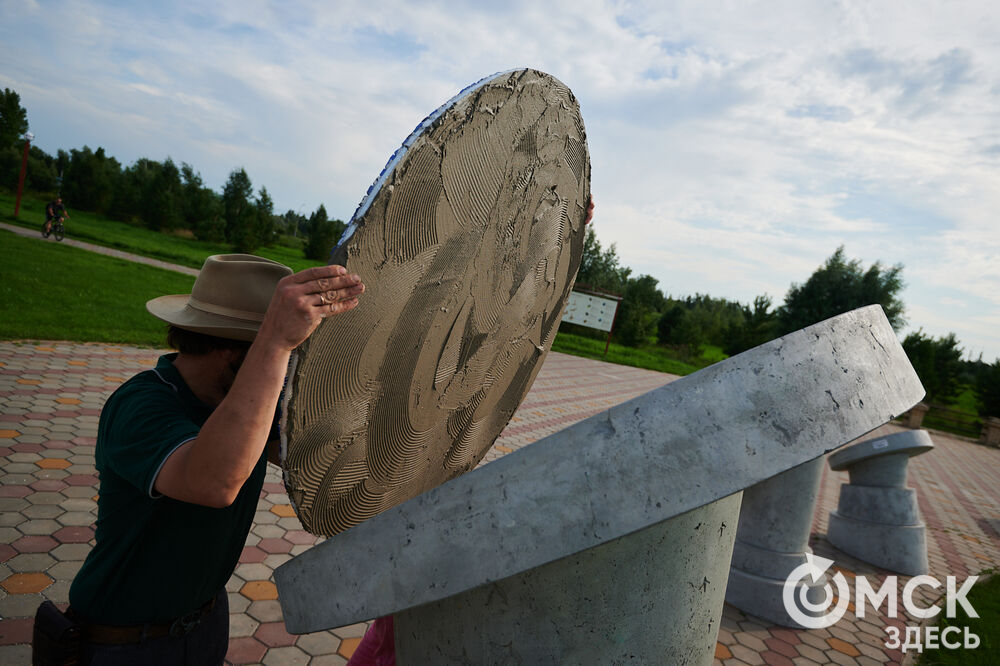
<point x="877" y="519"/>
<point x="773" y="540"/>
<point x="620" y="602"/>
<point x="991" y="432"/>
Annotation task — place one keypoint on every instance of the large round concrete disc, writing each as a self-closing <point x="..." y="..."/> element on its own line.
<point x="468" y="244"/>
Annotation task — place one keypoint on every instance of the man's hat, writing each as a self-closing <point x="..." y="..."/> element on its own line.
<point x="229" y="298"/>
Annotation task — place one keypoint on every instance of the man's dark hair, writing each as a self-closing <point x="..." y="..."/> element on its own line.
<point x="190" y="342"/>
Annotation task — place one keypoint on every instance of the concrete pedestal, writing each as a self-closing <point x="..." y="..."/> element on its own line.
<point x="877" y="519"/>
<point x="620" y="602"/>
<point x="773" y="540"/>
<point x="991" y="432"/>
<point x="570" y="532"/>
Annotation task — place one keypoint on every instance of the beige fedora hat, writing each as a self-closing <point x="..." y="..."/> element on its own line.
<point x="229" y="298"/>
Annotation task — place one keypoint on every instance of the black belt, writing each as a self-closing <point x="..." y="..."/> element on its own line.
<point x="108" y="634"/>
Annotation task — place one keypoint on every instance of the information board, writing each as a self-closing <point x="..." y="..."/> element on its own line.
<point x="589" y="310"/>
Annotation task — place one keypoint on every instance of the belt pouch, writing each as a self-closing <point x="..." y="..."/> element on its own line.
<point x="55" y="639"/>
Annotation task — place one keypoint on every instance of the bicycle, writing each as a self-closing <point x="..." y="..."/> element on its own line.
<point x="56" y="229"/>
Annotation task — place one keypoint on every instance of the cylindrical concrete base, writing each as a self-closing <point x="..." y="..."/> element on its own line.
<point x="900" y="548"/>
<point x="764" y="595"/>
<point x="654" y="596"/>
<point x="773" y="540"/>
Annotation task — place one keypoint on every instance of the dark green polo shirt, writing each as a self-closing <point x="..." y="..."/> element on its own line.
<point x="156" y="558"/>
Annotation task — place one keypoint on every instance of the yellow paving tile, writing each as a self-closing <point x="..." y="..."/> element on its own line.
<point x="82" y="363"/>
<point x="284" y="510"/>
<point x="722" y="652"/>
<point x="45" y="349"/>
<point x="53" y="463"/>
<point x="9" y="434"/>
<point x="26" y="583"/>
<point x="348" y="646"/>
<point x="843" y="647"/>
<point x="29" y="382"/>
<point x="259" y="590"/>
<point x="68" y="401"/>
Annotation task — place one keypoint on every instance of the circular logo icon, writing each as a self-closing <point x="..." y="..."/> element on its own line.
<point x="795" y="594"/>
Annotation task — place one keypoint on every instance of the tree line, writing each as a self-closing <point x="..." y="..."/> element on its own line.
<point x="646" y="317"/>
<point x="165" y="197"/>
<point x="159" y="195"/>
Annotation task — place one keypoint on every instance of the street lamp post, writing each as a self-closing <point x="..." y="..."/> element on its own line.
<point x="28" y="136"/>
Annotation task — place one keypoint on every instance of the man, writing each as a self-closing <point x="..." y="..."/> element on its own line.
<point x="181" y="456"/>
<point x="54" y="210"/>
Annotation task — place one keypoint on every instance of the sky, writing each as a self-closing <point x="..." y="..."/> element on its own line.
<point x="734" y="145"/>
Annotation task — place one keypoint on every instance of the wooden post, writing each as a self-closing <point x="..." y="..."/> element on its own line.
<point x="24" y="170"/>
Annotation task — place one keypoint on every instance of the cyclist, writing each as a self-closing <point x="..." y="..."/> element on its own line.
<point x="54" y="211"/>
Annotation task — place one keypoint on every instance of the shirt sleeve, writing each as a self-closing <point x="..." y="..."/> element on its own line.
<point x="145" y="424"/>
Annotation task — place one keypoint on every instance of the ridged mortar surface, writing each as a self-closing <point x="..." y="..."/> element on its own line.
<point x="468" y="246"/>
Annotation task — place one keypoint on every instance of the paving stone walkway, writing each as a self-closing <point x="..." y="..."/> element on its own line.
<point x="51" y="395"/>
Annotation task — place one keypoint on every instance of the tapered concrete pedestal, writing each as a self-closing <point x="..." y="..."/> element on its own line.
<point x="773" y="540"/>
<point x="877" y="518"/>
<point x="620" y="602"/>
<point x="571" y="534"/>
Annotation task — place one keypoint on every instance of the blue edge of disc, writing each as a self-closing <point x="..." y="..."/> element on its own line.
<point x="401" y="152"/>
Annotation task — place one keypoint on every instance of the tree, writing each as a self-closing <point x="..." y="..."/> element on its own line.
<point x="988" y="389"/>
<point x="238" y="210"/>
<point x="700" y="319"/>
<point x="759" y="325"/>
<point x="202" y="208"/>
<point x="838" y="286"/>
<point x="938" y="363"/>
<point x="322" y="235"/>
<point x="601" y="269"/>
<point x="639" y="311"/>
<point x="41" y="176"/>
<point x="91" y="179"/>
<point x="13" y="118"/>
<point x="162" y="203"/>
<point x="263" y="228"/>
<point x="294" y="224"/>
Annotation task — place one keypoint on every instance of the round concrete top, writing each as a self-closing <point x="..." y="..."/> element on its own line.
<point x="911" y="442"/>
<point x="680" y="447"/>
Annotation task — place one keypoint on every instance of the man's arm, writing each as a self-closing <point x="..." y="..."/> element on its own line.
<point x="211" y="469"/>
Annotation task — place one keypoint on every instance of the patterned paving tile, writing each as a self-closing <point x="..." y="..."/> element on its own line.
<point x="50" y="398"/>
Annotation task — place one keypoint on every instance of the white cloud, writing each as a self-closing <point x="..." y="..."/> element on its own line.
<point x="734" y="147"/>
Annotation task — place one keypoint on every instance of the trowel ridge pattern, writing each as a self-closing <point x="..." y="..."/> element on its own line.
<point x="469" y="249"/>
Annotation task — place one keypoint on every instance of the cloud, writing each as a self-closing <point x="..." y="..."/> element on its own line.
<point x="734" y="148"/>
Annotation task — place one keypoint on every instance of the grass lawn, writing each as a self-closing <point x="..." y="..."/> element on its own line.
<point x="650" y="358"/>
<point x="985" y="599"/>
<point x="104" y="299"/>
<point x="99" y="230"/>
<point x="966" y="423"/>
<point x="50" y="291"/>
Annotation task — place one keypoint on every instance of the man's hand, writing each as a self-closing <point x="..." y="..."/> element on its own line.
<point x="303" y="300"/>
